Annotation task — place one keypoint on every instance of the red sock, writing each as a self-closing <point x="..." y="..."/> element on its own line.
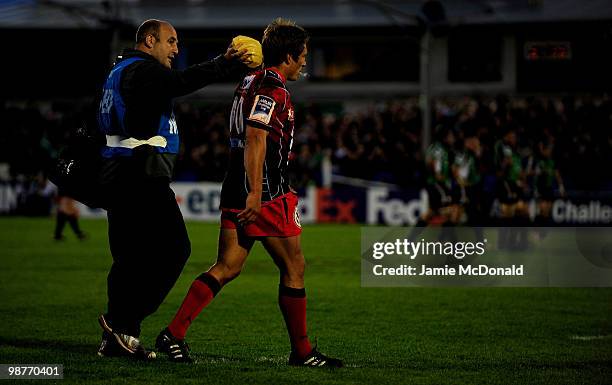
<point x="292" y="303"/>
<point x="201" y="292"/>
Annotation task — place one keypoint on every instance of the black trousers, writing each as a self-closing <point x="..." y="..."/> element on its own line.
<point x="61" y="222"/>
<point x="150" y="246"/>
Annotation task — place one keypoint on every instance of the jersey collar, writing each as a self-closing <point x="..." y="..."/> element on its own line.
<point x="277" y="72"/>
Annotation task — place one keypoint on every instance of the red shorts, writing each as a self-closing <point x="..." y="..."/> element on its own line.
<point x="279" y="217"/>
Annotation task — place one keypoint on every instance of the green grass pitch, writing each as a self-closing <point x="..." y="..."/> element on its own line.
<point x="51" y="294"/>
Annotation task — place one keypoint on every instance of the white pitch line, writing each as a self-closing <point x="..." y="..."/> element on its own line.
<point x="276" y="360"/>
<point x="590" y="338"/>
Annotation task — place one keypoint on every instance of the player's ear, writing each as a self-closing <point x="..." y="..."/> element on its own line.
<point x="149" y="40"/>
<point x="288" y="59"/>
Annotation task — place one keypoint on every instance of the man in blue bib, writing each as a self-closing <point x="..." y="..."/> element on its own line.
<point x="147" y="235"/>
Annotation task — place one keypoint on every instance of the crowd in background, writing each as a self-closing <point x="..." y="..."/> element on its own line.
<point x="382" y="141"/>
<point x="580" y="128"/>
<point x="375" y="141"/>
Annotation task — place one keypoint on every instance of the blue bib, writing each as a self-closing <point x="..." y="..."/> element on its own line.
<point x="111" y="116"/>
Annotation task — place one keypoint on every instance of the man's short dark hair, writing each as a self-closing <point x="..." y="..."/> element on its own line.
<point x="148" y="27"/>
<point x="282" y="37"/>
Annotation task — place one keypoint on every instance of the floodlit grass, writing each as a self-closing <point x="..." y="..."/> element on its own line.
<point x="51" y="294"/>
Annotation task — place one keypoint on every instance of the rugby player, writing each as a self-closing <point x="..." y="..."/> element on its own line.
<point x="467" y="179"/>
<point x="546" y="174"/>
<point x="257" y="203"/>
<point x="511" y="192"/>
<point x="438" y="163"/>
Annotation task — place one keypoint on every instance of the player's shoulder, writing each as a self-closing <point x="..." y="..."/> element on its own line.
<point x="435" y="149"/>
<point x="268" y="83"/>
<point x="269" y="96"/>
<point x="263" y="79"/>
<point x="272" y="83"/>
<point x="272" y="78"/>
<point x="249" y="80"/>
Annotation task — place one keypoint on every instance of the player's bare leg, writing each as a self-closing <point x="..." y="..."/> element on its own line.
<point x="232" y="252"/>
<point x="544" y="209"/>
<point x="455" y="215"/>
<point x="522" y="223"/>
<point x="287" y="254"/>
<point x="288" y="257"/>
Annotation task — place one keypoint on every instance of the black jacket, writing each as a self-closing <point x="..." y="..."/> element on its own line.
<point x="148" y="88"/>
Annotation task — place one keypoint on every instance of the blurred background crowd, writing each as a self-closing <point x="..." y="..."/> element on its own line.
<point x="376" y="141"/>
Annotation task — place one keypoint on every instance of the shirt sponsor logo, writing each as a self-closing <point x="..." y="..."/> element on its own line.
<point x="262" y="109"/>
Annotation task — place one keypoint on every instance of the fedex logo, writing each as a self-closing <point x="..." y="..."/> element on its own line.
<point x="394" y="212"/>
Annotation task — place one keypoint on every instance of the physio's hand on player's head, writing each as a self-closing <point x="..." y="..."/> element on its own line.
<point x="247" y="50"/>
<point x="233" y="53"/>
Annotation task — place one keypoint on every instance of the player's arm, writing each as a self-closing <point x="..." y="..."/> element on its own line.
<point x="435" y="165"/>
<point x="156" y="79"/>
<point x="254" y="156"/>
<point x="560" y="182"/>
<point x="455" y="170"/>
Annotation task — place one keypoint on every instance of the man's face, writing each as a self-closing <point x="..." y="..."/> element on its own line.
<point x="295" y="67"/>
<point x="473" y="144"/>
<point x="547" y="151"/>
<point x="510" y="138"/>
<point x="165" y="49"/>
<point x="449" y="139"/>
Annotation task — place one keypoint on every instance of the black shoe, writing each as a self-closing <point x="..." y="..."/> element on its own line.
<point x="177" y="350"/>
<point x="315" y="359"/>
<point x="121" y="345"/>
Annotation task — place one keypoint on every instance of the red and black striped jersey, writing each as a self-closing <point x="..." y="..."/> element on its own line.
<point x="262" y="101"/>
